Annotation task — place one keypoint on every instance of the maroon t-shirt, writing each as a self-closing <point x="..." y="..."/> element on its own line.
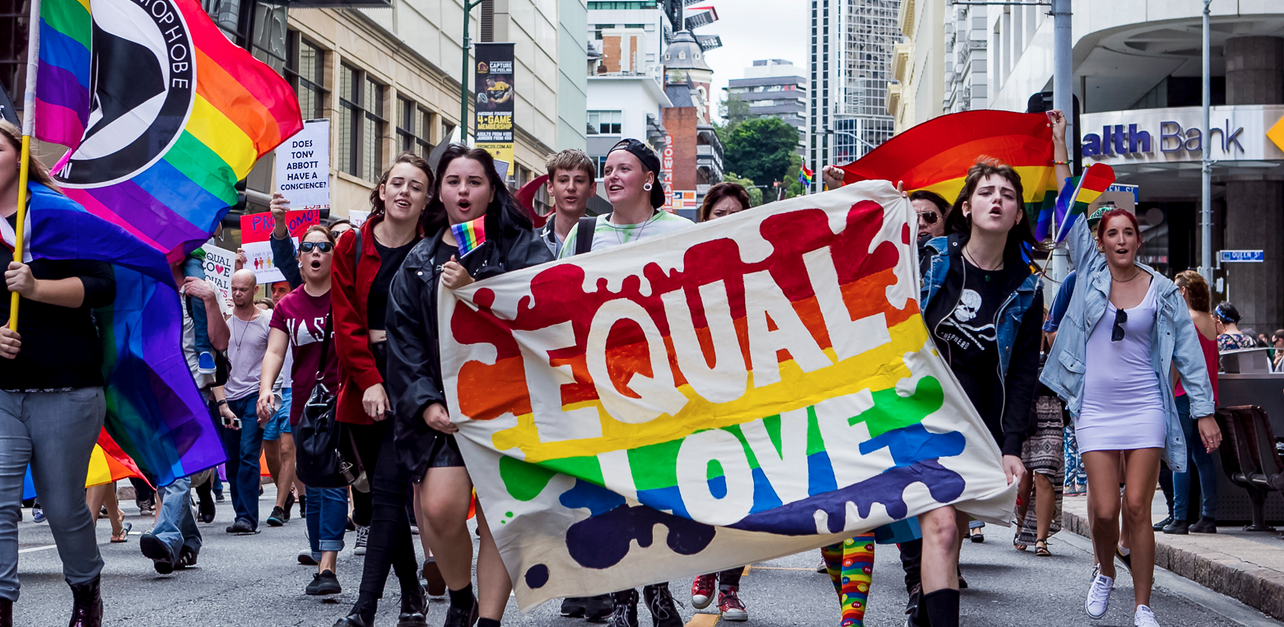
<point x="302" y="317"/>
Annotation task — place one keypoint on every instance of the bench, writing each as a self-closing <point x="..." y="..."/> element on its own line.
<point x="1250" y="458"/>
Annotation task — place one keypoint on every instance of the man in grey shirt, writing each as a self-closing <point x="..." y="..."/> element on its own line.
<point x="239" y="424"/>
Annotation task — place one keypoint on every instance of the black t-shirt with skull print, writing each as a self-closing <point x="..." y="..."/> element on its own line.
<point x="963" y="324"/>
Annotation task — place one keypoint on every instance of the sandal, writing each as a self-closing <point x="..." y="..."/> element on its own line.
<point x="124" y="533"/>
<point x="1041" y="548"/>
<point x="1016" y="542"/>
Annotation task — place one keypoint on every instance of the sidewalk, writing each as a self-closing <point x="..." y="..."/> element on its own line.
<point x="1239" y="564"/>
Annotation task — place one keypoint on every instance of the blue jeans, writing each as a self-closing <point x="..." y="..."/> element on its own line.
<point x="1202" y="462"/>
<point x="327" y="519"/>
<point x="55" y="432"/>
<point x="175" y="525"/>
<point x="243" y="448"/>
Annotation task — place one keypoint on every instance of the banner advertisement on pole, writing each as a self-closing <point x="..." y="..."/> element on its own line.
<point x="303" y="167"/>
<point x="493" y="101"/>
<point x="256" y="233"/>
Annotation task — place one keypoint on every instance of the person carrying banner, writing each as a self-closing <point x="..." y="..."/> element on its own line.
<point x="51" y="394"/>
<point x="632" y="179"/>
<point x="983" y="308"/>
<point x="468" y="194"/>
<point x="362" y="275"/>
<point x="1125" y="331"/>
<point x="301" y="322"/>
<point x="572" y="181"/>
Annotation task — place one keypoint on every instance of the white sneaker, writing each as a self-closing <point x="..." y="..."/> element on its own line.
<point x="363" y="536"/>
<point x="1144" y="617"/>
<point x="1099" y="596"/>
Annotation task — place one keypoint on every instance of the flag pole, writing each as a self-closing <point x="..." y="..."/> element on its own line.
<point x="28" y="126"/>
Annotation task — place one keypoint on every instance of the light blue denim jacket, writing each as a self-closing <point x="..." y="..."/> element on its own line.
<point x="1174" y="341"/>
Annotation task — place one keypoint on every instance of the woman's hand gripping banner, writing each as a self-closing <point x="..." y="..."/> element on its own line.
<point x="738" y="391"/>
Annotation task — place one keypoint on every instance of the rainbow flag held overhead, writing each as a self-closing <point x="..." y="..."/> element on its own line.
<point x="700" y="401"/>
<point x="161" y="121"/>
<point x="805" y="176"/>
<point x="1078" y="194"/>
<point x="936" y="154"/>
<point x="469" y="235"/>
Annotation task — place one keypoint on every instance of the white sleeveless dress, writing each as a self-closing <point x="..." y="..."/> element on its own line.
<point x="1122" y="408"/>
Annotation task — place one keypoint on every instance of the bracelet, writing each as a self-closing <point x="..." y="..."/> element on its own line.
<point x="1055" y="162"/>
<point x="221" y="403"/>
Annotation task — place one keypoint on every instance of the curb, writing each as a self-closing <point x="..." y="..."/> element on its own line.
<point x="1257" y="592"/>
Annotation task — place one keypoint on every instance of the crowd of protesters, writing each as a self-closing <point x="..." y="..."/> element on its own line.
<point x="357" y="316"/>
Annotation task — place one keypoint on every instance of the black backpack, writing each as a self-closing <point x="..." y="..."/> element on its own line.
<point x="584" y="234"/>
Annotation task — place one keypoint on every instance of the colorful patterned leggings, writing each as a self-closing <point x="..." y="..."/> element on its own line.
<point x="1075" y="470"/>
<point x="851" y="567"/>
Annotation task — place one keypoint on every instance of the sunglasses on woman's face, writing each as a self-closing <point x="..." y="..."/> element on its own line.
<point x="928" y="217"/>
<point x="1117" y="333"/>
<point x="321" y="247"/>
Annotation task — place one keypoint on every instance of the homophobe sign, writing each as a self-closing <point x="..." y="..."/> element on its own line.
<point x="721" y="395"/>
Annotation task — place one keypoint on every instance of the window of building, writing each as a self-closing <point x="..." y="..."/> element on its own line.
<point x="361" y="124"/>
<point x="601" y="166"/>
<point x="305" y="69"/>
<point x="605" y="122"/>
<point x="414" y="124"/>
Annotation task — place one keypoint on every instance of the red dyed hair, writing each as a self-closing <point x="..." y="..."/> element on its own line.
<point x="1105" y="219"/>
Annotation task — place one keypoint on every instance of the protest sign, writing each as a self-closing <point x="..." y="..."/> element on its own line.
<point x="730" y="393"/>
<point x="258" y="257"/>
<point x="303" y="167"/>
<point x="219" y="264"/>
<point x="257" y="227"/>
<point x="357" y="218"/>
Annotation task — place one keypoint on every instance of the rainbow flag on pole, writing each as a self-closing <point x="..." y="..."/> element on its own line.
<point x="1075" y="198"/>
<point x="936" y="154"/>
<point x="469" y="235"/>
<point x="805" y="176"/>
<point x="171" y="118"/>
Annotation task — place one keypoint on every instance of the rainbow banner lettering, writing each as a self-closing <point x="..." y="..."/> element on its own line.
<point x="715" y="396"/>
<point x="469" y="235"/>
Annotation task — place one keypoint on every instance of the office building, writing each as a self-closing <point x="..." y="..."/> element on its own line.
<point x="775" y="88"/>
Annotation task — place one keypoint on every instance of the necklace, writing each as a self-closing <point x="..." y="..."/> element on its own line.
<point x="1134" y="275"/>
<point x="245" y="329"/>
<point x="620" y="227"/>
<point x="968" y="257"/>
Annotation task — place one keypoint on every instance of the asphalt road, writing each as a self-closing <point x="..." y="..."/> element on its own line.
<point x="255" y="580"/>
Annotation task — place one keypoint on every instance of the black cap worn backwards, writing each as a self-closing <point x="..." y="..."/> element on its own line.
<point x="649" y="161"/>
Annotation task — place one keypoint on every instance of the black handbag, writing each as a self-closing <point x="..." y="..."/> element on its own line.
<point x="326" y="456"/>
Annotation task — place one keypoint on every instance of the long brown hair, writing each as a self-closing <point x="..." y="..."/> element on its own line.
<point x="720" y="191"/>
<point x="36" y="170"/>
<point x="1196" y="290"/>
<point x="1020" y="234"/>
<point x="376" y="203"/>
<point x="501" y="215"/>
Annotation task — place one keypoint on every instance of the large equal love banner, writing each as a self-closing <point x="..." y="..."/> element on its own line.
<point x="745" y="389"/>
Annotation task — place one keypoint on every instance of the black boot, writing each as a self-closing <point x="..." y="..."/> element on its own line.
<point x="663" y="611"/>
<point x="414" y="608"/>
<point x="87" y="605"/>
<point x="1177" y="527"/>
<point x="597" y="608"/>
<point x="6" y="613"/>
<point x="624" y="612"/>
<point x="1206" y="524"/>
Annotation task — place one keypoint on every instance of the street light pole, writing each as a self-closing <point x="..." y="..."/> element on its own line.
<point x="1206" y="168"/>
<point x="1063" y="99"/>
<point x="463" y="78"/>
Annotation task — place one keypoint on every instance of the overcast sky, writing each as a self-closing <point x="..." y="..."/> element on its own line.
<point x="756" y="29"/>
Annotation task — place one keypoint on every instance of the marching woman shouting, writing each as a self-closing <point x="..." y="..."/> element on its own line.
<point x="1125" y="330"/>
<point x="365" y="262"/>
<point x="983" y="307"/>
<point x="467" y="188"/>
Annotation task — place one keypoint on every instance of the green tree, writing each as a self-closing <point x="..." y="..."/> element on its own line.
<point x="761" y="149"/>
<point x="755" y="194"/>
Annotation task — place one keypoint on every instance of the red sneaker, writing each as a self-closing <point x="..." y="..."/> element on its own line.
<point x="702" y="590"/>
<point x="730" y="606"/>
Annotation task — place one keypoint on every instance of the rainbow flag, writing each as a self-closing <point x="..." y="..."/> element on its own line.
<point x="107" y="463"/>
<point x="699" y="401"/>
<point x="805" y="176"/>
<point x="469" y="235"/>
<point x="171" y="118"/>
<point x="1077" y="195"/>
<point x="936" y="154"/>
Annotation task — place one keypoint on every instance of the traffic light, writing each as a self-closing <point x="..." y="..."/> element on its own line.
<point x="1042" y="102"/>
<point x="232" y="219"/>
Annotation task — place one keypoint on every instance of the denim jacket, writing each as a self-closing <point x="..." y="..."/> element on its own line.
<point x="1174" y="340"/>
<point x="936" y="257"/>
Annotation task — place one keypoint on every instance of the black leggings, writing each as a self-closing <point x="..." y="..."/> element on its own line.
<point x="389" y="543"/>
<point x="367" y="439"/>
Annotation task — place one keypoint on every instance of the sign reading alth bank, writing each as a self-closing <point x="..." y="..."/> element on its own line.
<point x="1237" y="133"/>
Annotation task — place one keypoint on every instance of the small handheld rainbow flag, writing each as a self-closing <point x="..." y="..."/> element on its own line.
<point x="1078" y="194"/>
<point x="469" y="235"/>
<point x="805" y="176"/>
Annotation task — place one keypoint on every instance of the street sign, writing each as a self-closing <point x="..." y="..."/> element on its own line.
<point x="1251" y="256"/>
